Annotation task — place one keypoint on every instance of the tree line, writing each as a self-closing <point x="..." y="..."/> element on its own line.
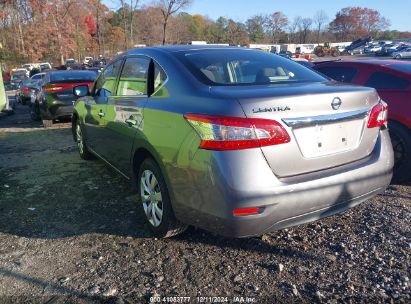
<point x="54" y="30"/>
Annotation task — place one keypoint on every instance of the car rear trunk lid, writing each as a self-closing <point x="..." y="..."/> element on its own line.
<point x="327" y="123"/>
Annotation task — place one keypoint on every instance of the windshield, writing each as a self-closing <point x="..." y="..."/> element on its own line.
<point x="244" y="67"/>
<point x="83" y="75"/>
<point x="18" y="76"/>
<point x="27" y="83"/>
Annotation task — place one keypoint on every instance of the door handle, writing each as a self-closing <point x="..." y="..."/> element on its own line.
<point x="131" y="121"/>
<point x="101" y="113"/>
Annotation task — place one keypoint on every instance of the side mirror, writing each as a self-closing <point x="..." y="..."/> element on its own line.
<point x="81" y="91"/>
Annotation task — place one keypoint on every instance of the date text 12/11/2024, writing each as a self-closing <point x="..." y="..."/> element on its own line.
<point x="201" y="299"/>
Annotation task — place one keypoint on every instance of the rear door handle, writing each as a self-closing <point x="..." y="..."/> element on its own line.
<point x="101" y="113"/>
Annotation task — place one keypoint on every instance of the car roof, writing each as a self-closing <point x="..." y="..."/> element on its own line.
<point x="67" y="71"/>
<point x="181" y="48"/>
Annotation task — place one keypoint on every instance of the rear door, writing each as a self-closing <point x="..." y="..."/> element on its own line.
<point x="124" y="112"/>
<point x="96" y="107"/>
<point x="394" y="88"/>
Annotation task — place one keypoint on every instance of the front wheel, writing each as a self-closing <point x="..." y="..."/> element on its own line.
<point x="155" y="201"/>
<point x="398" y="57"/>
<point x="82" y="147"/>
<point x="401" y="143"/>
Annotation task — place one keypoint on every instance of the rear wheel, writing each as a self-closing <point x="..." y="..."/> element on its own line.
<point x="401" y="143"/>
<point x="82" y="147"/>
<point x="34" y="112"/>
<point x="155" y="201"/>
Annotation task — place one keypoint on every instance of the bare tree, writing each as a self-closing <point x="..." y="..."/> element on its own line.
<point x="320" y="19"/>
<point x="129" y="8"/>
<point x="304" y="28"/>
<point x="168" y="8"/>
<point x="293" y="27"/>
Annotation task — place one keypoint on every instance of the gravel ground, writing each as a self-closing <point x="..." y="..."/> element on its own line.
<point x="70" y="232"/>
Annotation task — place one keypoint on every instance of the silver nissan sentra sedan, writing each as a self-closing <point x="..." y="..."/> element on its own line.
<point x="235" y="141"/>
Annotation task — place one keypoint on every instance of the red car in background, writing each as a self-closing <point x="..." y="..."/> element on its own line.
<point x="392" y="80"/>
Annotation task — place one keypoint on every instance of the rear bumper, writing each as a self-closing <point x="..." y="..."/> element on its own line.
<point x="57" y="110"/>
<point x="217" y="182"/>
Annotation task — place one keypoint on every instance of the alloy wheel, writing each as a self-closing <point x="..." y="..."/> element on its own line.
<point x="79" y="137"/>
<point x="151" y="198"/>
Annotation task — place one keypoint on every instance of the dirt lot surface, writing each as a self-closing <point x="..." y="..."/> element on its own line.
<point x="70" y="232"/>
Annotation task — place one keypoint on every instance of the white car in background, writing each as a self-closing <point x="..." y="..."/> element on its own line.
<point x="402" y="54"/>
<point x="372" y="48"/>
<point x="87" y="60"/>
<point x="45" y="66"/>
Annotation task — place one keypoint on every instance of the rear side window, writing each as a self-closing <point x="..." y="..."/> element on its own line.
<point x="341" y="74"/>
<point x="160" y="77"/>
<point x="133" y="78"/>
<point x="382" y="80"/>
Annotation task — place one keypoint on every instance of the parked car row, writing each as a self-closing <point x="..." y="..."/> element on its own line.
<point x="50" y="95"/>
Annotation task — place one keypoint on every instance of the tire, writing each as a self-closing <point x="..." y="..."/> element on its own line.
<point x="47" y="123"/>
<point x="155" y="203"/>
<point x="398" y="57"/>
<point x="401" y="142"/>
<point x="34" y="113"/>
<point x="81" y="144"/>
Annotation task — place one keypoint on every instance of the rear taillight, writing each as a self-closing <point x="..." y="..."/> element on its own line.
<point x="247" y="211"/>
<point x="26" y="90"/>
<point x="53" y="89"/>
<point x="58" y="87"/>
<point x="236" y="133"/>
<point x="378" y="115"/>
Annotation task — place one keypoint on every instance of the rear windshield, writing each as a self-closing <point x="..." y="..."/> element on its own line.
<point x="27" y="82"/>
<point x="18" y="76"/>
<point x="244" y="67"/>
<point x="74" y="75"/>
<point x="403" y="67"/>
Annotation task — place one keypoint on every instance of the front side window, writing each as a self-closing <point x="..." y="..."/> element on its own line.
<point x="106" y="83"/>
<point x="382" y="80"/>
<point x="133" y="78"/>
<point x="341" y="74"/>
<point x="244" y="67"/>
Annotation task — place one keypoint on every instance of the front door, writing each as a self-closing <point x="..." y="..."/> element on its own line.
<point x="96" y="107"/>
<point x="124" y="113"/>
